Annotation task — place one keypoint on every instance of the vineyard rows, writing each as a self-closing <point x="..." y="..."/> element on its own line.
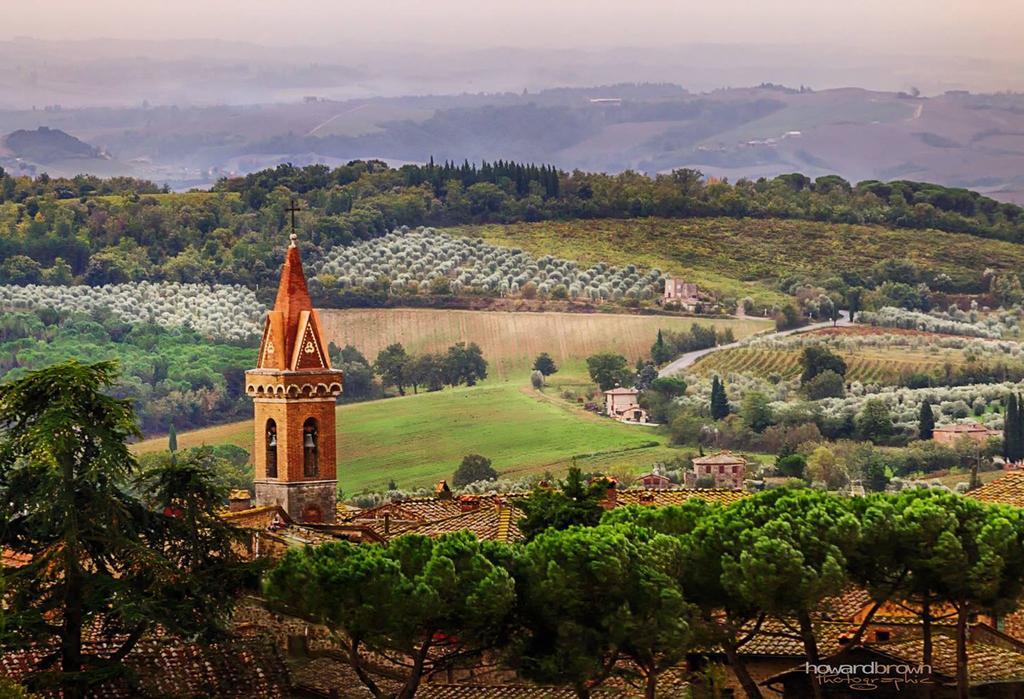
<point x="862" y="366"/>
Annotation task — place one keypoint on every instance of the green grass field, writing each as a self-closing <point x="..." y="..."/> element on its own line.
<point x="419" y="439"/>
<point x="747" y="257"/>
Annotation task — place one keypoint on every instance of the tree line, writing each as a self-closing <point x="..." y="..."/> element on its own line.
<point x="588" y="596"/>
<point x="461" y="364"/>
<point x="93" y="231"/>
<point x="630" y="593"/>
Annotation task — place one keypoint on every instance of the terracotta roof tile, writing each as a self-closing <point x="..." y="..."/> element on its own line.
<point x="621" y="391"/>
<point x="1008" y="489"/>
<point x="488" y="522"/>
<point x="845" y="606"/>
<point x="255" y="517"/>
<point x="171" y="667"/>
<point x="963" y="428"/>
<point x="662" y="498"/>
<point x="722" y="457"/>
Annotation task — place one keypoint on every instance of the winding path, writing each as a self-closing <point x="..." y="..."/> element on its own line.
<point x="685" y="360"/>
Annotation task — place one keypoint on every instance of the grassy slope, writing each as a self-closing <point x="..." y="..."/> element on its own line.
<point x="738" y="257"/>
<point x="510" y="341"/>
<point x="419" y="439"/>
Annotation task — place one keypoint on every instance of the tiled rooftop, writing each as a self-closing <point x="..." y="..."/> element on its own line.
<point x="662" y="498"/>
<point x="722" y="457"/>
<point x="489" y="521"/>
<point x="1008" y="489"/>
<point x="171" y="667"/>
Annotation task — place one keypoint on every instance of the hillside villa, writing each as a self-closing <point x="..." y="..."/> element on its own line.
<point x="623" y="405"/>
<point x="680" y="293"/>
<point x="950" y="434"/>
<point x="726" y="469"/>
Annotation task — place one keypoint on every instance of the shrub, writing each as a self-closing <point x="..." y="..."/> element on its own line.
<point x="472" y="469"/>
<point x="537" y="379"/>
<point x="792" y="466"/>
<point x="827" y="384"/>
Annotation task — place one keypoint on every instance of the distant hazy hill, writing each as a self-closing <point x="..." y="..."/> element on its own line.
<point x="45" y="145"/>
<point x="955" y="139"/>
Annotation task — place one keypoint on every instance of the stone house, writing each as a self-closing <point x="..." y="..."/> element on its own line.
<point x="727" y="469"/>
<point x="623" y="405"/>
<point x="654" y="481"/>
<point x="950" y="434"/>
<point x="680" y="293"/>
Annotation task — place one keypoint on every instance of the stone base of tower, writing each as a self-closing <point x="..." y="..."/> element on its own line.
<point x="312" y="502"/>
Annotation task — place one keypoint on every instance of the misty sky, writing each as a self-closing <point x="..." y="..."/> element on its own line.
<point x="982" y="28"/>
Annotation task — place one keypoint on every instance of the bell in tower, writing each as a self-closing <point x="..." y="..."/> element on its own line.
<point x="294" y="391"/>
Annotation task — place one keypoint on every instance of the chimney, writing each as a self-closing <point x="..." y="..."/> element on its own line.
<point x="611" y="493"/>
<point x="442" y="491"/>
<point x="239" y="500"/>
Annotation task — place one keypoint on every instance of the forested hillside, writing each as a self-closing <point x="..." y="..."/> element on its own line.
<point x="86" y="230"/>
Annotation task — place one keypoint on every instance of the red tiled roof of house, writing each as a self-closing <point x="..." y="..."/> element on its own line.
<point x="663" y="498"/>
<point x="775" y="639"/>
<point x="963" y="428"/>
<point x="166" y="666"/>
<point x="845" y="606"/>
<point x="411" y="510"/>
<point x="256" y="517"/>
<point x="1008" y="489"/>
<point x="489" y="521"/>
<point x="986" y="662"/>
<point x="621" y="391"/>
<point x="722" y="457"/>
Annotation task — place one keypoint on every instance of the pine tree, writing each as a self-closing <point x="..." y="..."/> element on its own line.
<point x="926" y="422"/>
<point x="719" y="401"/>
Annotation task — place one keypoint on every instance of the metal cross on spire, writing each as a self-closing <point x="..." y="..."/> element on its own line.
<point x="292" y="209"/>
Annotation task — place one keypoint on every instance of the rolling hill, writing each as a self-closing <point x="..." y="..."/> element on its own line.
<point x="741" y="257"/>
<point x="957" y="138"/>
<point x="418" y="439"/>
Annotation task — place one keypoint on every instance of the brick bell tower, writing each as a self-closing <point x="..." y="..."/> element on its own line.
<point x="294" y="390"/>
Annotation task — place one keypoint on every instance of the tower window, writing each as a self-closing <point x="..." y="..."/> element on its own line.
<point x="271" y="445"/>
<point x="310" y="447"/>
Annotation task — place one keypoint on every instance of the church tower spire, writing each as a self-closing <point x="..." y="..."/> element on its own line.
<point x="294" y="390"/>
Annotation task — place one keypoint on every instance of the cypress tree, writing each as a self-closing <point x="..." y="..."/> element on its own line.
<point x="660" y="351"/>
<point x="172" y="439"/>
<point x="1011" y="429"/>
<point x="926" y="422"/>
<point x="719" y="401"/>
<point x="1018" y="429"/>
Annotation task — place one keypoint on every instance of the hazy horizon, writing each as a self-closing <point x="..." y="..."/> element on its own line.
<point x="951" y="28"/>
